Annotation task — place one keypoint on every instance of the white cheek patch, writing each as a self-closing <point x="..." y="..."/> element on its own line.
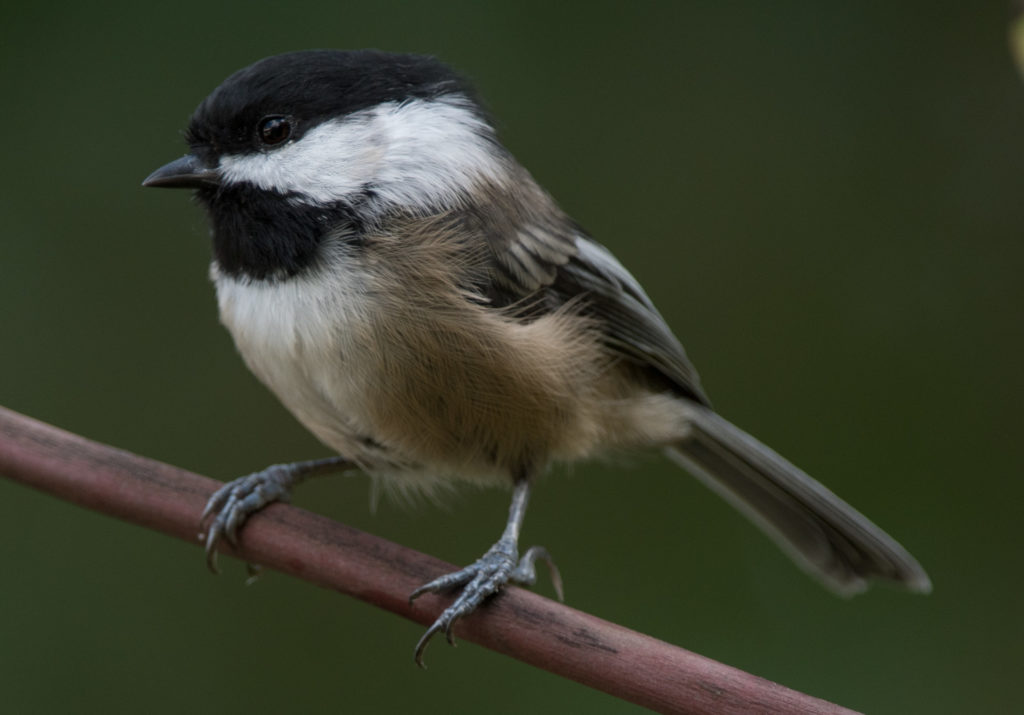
<point x="411" y="153"/>
<point x="329" y="161"/>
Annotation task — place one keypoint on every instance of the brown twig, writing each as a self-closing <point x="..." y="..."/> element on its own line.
<point x="518" y="623"/>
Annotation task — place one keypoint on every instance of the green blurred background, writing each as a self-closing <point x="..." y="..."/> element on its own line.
<point x="824" y="199"/>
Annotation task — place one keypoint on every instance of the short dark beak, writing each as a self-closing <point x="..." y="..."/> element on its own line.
<point x="188" y="172"/>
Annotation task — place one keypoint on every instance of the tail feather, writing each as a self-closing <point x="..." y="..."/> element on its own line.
<point x="822" y="533"/>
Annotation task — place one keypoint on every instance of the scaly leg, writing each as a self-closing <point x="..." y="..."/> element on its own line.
<point x="237" y="500"/>
<point x="488" y="574"/>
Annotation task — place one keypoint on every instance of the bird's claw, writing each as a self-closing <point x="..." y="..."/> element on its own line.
<point x="232" y="505"/>
<point x="479" y="581"/>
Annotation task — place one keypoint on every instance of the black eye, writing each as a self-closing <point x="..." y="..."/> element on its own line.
<point x="274" y="130"/>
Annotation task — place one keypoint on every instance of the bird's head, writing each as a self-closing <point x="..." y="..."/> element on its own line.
<point x="299" y="145"/>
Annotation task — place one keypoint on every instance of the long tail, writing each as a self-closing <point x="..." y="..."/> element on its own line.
<point x="822" y="533"/>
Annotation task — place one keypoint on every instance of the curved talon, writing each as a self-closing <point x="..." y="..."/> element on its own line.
<point x="215" y="502"/>
<point x="211" y="551"/>
<point x="230" y="530"/>
<point x="449" y="634"/>
<point x="422" y="644"/>
<point x="526" y="572"/>
<point x="222" y="502"/>
<point x="425" y="588"/>
<point x="445" y="622"/>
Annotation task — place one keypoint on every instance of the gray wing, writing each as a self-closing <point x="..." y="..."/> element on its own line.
<point x="631" y="324"/>
<point x="547" y="261"/>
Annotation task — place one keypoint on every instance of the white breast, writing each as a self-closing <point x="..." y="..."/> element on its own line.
<point x="301" y="338"/>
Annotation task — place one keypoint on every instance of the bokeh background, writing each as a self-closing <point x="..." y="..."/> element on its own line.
<point x="824" y="199"/>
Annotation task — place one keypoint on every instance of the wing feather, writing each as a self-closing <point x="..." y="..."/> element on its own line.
<point x="542" y="258"/>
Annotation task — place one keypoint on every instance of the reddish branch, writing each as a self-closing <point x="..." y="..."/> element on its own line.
<point x="518" y="623"/>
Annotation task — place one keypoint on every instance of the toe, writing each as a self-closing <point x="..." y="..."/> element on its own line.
<point x="443" y="583"/>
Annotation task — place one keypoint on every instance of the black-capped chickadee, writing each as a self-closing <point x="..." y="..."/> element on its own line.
<point x="420" y="304"/>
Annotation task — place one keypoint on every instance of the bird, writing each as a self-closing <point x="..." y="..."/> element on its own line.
<point x="423" y="306"/>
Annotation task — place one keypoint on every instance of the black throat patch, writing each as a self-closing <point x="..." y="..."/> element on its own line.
<point x="262" y="235"/>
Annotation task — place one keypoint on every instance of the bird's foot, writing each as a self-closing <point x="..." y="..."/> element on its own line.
<point x="481" y="579"/>
<point x="236" y="501"/>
